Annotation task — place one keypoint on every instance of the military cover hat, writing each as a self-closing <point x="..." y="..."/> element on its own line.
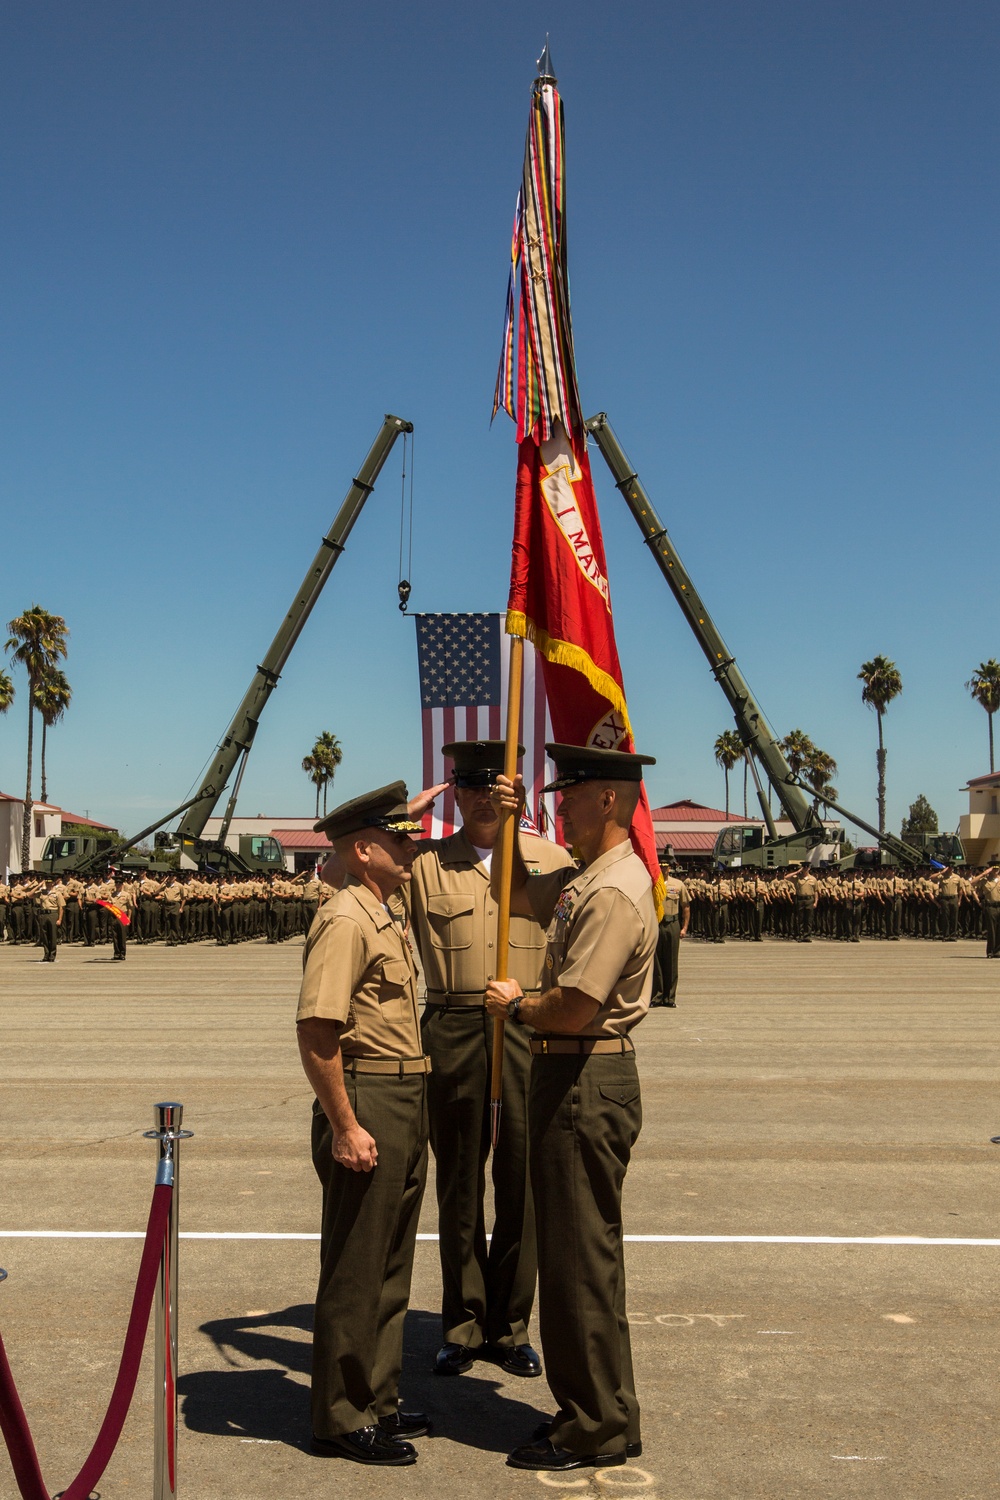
<point x="384" y="808"/>
<point x="576" y="763"/>
<point x="477" y="762"/>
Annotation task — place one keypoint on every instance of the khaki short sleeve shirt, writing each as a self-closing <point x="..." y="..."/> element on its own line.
<point x="454" y="916"/>
<point x="358" y="971"/>
<point x="602" y="936"/>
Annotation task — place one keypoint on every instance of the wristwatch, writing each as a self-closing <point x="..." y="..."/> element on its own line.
<point x="513" y="1009"/>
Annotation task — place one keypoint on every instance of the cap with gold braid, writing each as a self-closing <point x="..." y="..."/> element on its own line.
<point x="384" y="808"/>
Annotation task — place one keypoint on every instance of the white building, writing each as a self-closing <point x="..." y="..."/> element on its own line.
<point x="46" y="822"/>
<point x="979" y="828"/>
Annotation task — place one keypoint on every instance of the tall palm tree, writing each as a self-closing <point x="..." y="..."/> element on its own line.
<point x="882" y="683"/>
<point x="37" y="641"/>
<point x="729" y="751"/>
<point x="52" y="698"/>
<point x="796" y="747"/>
<point x="984" y="685"/>
<point x="6" y="692"/>
<point x="328" y="749"/>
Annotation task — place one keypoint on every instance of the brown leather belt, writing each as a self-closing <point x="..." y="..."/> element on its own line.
<point x="463" y="999"/>
<point x="395" y="1067"/>
<point x="547" y="1046"/>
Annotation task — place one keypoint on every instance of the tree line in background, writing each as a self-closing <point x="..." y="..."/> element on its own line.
<point x="882" y="683"/>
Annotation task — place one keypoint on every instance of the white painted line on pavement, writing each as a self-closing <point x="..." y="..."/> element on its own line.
<point x="630" y="1239"/>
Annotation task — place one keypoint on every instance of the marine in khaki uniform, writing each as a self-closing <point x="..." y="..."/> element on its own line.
<point x="359" y="1038"/>
<point x="949" y="893"/>
<point x="988" y="889"/>
<point x="584" y="1111"/>
<point x="806" y="888"/>
<point x="50" y="901"/>
<point x="124" y="898"/>
<point x="488" y="1286"/>
<point x="673" y="926"/>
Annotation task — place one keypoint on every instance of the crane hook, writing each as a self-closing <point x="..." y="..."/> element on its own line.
<point x="404" y="591"/>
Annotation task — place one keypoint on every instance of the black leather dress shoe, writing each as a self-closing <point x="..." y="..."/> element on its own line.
<point x="632" y="1450"/>
<point x="406" y="1424"/>
<point x="543" y="1456"/>
<point x="454" y="1359"/>
<point x="520" y="1359"/>
<point x="368" y="1445"/>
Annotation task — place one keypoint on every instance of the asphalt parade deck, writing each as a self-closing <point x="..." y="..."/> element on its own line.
<point x="797" y="1092"/>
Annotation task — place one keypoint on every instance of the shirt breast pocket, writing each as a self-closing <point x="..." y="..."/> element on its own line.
<point x="393" y="989"/>
<point x="451" y="919"/>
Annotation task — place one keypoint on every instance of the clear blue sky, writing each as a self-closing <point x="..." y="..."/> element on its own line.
<point x="235" y="234"/>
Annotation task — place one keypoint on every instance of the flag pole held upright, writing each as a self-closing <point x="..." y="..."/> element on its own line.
<point x="508" y="833"/>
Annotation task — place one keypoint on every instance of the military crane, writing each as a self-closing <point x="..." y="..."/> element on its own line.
<point x="256" y="852"/>
<point x="742" y="845"/>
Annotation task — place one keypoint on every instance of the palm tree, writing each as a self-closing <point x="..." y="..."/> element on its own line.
<point x="796" y="747"/>
<point x="327" y="748"/>
<point x="820" y="769"/>
<point x="6" y="692"/>
<point x="882" y="683"/>
<point x="729" y="751"/>
<point x="52" y="698"/>
<point x="316" y="771"/>
<point x="37" y="641"/>
<point x="984" y="685"/>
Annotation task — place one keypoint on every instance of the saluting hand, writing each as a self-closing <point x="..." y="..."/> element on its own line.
<point x="418" y="805"/>
<point x="356" y="1149"/>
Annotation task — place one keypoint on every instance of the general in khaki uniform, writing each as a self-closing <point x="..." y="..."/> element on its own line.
<point x="488" y="1287"/>
<point x="585" y="1111"/>
<point x="359" y="1035"/>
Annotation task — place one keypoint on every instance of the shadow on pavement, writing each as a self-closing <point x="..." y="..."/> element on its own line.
<point x="271" y="1405"/>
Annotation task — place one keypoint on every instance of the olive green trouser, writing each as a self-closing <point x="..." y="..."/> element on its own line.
<point x="488" y="1287"/>
<point x="47" y="934"/>
<point x="368" y="1236"/>
<point x="585" y="1114"/>
<point x="992" y="913"/>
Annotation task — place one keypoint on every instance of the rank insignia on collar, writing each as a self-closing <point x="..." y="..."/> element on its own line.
<point x="564" y="906"/>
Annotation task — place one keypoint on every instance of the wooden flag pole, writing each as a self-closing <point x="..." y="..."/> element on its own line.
<point x="508" y="833"/>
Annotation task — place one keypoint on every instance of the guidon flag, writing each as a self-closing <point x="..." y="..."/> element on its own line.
<point x="559" y="593"/>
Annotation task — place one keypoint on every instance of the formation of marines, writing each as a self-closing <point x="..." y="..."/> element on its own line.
<point x="184" y="907"/>
<point x="845" y="906"/>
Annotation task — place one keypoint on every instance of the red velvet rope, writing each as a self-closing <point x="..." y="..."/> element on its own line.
<point x="17" y="1436"/>
<point x="12" y="1419"/>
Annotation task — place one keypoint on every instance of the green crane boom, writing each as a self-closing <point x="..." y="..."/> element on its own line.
<point x="756" y="733"/>
<point x="235" y="745"/>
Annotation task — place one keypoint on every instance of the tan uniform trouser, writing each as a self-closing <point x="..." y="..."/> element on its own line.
<point x="488" y="1287"/>
<point x="366" y="1254"/>
<point x="585" y="1114"/>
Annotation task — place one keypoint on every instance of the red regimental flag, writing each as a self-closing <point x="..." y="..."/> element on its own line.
<point x="559" y="593"/>
<point x="116" y="911"/>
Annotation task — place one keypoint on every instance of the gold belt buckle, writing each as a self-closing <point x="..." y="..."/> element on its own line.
<point x="545" y="1044"/>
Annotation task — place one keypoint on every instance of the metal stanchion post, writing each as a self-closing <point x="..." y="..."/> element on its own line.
<point x="168" y="1135"/>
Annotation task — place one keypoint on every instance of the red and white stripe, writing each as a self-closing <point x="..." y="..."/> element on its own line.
<point x="442" y="726"/>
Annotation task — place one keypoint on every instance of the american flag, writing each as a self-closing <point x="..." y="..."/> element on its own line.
<point x="463" y="661"/>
